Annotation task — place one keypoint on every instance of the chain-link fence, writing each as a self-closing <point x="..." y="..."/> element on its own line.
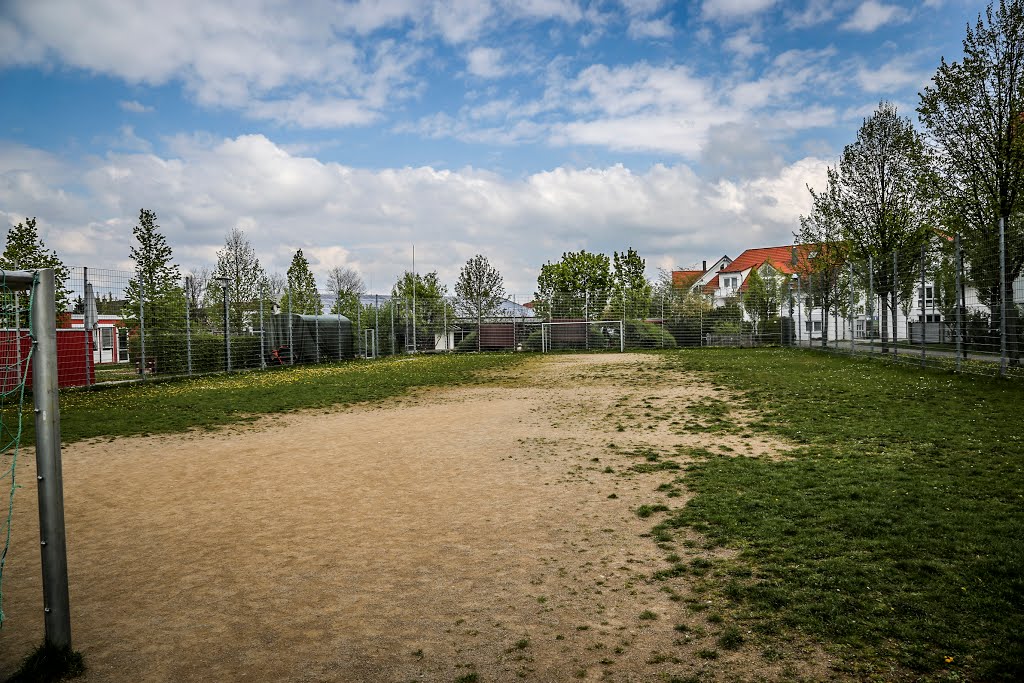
<point x="952" y="302"/>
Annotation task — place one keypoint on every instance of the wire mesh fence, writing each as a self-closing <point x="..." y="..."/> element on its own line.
<point x="939" y="304"/>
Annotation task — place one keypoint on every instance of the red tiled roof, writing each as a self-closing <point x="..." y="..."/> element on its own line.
<point x="685" y="278"/>
<point x="711" y="286"/>
<point x="779" y="258"/>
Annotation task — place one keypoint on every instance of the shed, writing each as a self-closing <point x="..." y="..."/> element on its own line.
<point x="309" y="338"/>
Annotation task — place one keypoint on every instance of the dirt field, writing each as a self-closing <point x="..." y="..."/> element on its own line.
<point x="447" y="533"/>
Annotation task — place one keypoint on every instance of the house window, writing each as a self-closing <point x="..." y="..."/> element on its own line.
<point x="931" y="317"/>
<point x="122" y="344"/>
<point x="926" y="299"/>
<point x="731" y="283"/>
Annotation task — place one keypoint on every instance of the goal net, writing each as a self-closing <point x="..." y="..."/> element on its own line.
<point x="582" y="335"/>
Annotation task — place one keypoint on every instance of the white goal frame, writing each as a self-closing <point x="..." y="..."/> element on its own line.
<point x="545" y="331"/>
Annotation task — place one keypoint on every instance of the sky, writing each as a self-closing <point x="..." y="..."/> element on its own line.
<point x="362" y="131"/>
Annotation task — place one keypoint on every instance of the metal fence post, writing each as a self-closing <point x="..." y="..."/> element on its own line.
<point x="871" y="305"/>
<point x="263" y="333"/>
<point x="85" y="322"/>
<point x="1002" y="297"/>
<point x="227" y="328"/>
<point x="376" y="324"/>
<point x="291" y="338"/>
<point x="52" y="538"/>
<point x="959" y="322"/>
<point x="895" y="295"/>
<point x="923" y="334"/>
<point x="142" y="330"/>
<point x="188" y="324"/>
<point x="853" y="306"/>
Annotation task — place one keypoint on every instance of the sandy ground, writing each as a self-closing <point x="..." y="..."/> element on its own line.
<point x="443" y="534"/>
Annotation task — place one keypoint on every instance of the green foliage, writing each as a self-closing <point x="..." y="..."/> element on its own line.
<point x="892" y="530"/>
<point x="420" y="297"/>
<point x="631" y="291"/>
<point x="303" y="297"/>
<point x="246" y="281"/>
<point x="973" y="112"/>
<point x="885" y="201"/>
<point x="167" y="352"/>
<point x="25" y="251"/>
<point x="645" y="335"/>
<point x="824" y="250"/>
<point x="156" y="286"/>
<point x="579" y="284"/>
<point x="480" y="288"/>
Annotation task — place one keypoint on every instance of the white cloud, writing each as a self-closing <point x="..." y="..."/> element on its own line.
<point x="872" y="14"/>
<point x="134" y="107"/>
<point x="653" y="28"/>
<point x="486" y="62"/>
<point x="893" y="76"/>
<point x="743" y="44"/>
<point x="730" y="10"/>
<point x="342" y="215"/>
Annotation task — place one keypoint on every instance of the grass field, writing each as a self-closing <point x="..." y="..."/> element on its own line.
<point x="893" y="532"/>
<point x="890" y="533"/>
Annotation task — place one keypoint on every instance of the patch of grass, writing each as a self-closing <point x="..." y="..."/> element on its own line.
<point x="648" y="467"/>
<point x="471" y="677"/>
<point x="893" y="530"/>
<point x="707" y="653"/>
<point x="645" y="511"/>
<point x="49" y="664"/>
<point x="731" y="638"/>
<point x="647" y="615"/>
<point x="179" y="405"/>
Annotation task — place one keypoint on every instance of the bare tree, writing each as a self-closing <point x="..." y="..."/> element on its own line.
<point x="347" y="285"/>
<point x="197" y="282"/>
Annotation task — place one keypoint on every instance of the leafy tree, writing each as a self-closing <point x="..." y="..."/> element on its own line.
<point x="825" y="249"/>
<point x="347" y="286"/>
<point x="420" y="308"/>
<point x="574" y="287"/>
<point x="480" y="290"/>
<point x="301" y="291"/>
<point x="764" y="294"/>
<point x="156" y="284"/>
<point x="25" y="251"/>
<point x="974" y="117"/>
<point x="885" y="203"/>
<point x="197" y="283"/>
<point x="631" y="291"/>
<point x="237" y="262"/>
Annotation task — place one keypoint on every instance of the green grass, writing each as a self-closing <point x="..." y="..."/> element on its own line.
<point x="208" y="402"/>
<point x="893" y="532"/>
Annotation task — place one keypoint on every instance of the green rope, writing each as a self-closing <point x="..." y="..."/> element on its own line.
<point x="11" y="441"/>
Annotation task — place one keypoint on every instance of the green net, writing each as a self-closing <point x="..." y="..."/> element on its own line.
<point x="15" y="359"/>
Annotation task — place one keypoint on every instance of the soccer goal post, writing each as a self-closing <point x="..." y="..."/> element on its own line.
<point x="577" y="335"/>
<point x="43" y="357"/>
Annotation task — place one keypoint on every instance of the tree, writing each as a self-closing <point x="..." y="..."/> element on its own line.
<point x="885" y="203"/>
<point x="825" y="249"/>
<point x="575" y="287"/>
<point x="631" y="291"/>
<point x="347" y="286"/>
<point x="763" y="295"/>
<point x="197" y="283"/>
<point x="237" y="263"/>
<point x="156" y="283"/>
<point x="25" y="251"/>
<point x="420" y="308"/>
<point x="480" y="290"/>
<point x="974" y="117"/>
<point x="301" y="293"/>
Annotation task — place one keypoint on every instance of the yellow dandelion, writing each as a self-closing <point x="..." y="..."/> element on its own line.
<point x="949" y="660"/>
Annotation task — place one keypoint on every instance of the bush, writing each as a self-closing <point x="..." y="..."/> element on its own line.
<point x="167" y="353"/>
<point x="642" y="334"/>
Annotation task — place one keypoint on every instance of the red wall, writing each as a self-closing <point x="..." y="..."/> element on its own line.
<point x="74" y="366"/>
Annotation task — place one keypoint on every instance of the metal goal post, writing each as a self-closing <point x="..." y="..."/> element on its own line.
<point x="49" y="479"/>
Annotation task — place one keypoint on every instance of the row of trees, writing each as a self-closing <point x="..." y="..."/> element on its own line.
<point x="897" y="193"/>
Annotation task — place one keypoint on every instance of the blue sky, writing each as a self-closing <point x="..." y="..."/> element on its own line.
<point x="519" y="130"/>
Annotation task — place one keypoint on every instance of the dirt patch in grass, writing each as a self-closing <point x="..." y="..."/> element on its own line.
<point x="477" y="530"/>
